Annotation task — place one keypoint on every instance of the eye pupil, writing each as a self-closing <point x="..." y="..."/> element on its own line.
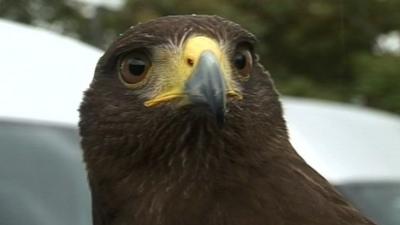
<point x="240" y="61"/>
<point x="134" y="67"/>
<point x="243" y="61"/>
<point x="137" y="67"/>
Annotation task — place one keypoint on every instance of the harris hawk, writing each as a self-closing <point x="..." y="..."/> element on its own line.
<point x="182" y="125"/>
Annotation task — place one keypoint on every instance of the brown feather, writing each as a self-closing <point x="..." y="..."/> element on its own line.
<point x="173" y="166"/>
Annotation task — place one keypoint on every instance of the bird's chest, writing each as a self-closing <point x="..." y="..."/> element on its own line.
<point x="215" y="198"/>
<point x="191" y="204"/>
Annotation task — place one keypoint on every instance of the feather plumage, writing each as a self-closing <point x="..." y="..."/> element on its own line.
<point x="175" y="165"/>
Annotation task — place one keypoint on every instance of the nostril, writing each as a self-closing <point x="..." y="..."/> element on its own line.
<point x="190" y="61"/>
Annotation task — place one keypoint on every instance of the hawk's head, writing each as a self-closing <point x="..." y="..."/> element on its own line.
<point x="176" y="70"/>
<point x="181" y="90"/>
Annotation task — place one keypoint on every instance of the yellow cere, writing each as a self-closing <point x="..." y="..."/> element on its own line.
<point x="186" y="64"/>
<point x="197" y="45"/>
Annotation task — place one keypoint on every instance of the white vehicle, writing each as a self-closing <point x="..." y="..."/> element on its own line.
<point x="355" y="148"/>
<point x="42" y="177"/>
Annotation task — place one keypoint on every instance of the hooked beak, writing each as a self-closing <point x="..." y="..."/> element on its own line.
<point x="207" y="85"/>
<point x="199" y="78"/>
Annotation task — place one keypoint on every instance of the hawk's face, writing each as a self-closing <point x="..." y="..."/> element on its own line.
<point x="177" y="75"/>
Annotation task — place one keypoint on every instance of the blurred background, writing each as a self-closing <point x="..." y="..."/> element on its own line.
<point x="336" y="63"/>
<point x="342" y="50"/>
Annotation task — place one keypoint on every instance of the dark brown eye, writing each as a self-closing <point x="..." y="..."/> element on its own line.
<point x="134" y="67"/>
<point x="243" y="62"/>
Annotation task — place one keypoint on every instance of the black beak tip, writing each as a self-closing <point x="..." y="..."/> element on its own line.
<point x="215" y="106"/>
<point x="220" y="117"/>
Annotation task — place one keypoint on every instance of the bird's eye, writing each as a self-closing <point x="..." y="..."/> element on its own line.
<point x="243" y="62"/>
<point x="134" y="67"/>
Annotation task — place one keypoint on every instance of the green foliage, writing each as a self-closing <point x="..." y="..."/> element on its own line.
<point x="313" y="48"/>
<point x="53" y="14"/>
<point x="378" y="80"/>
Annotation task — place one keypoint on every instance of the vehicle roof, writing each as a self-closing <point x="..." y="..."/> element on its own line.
<point x="44" y="74"/>
<point x="345" y="142"/>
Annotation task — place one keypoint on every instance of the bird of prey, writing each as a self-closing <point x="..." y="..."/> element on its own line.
<point x="182" y="125"/>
